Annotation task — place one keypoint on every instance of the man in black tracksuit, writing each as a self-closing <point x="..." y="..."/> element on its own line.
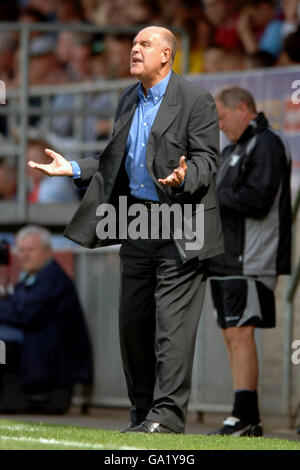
<point x="255" y="203"/>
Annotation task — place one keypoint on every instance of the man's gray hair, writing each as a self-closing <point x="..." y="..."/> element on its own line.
<point x="44" y="234"/>
<point x="231" y="96"/>
<point x="172" y="42"/>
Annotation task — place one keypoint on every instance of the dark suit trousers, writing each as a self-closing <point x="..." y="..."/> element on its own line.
<point x="160" y="306"/>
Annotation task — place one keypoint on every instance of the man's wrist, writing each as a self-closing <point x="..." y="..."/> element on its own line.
<point x="179" y="188"/>
<point x="76" y="170"/>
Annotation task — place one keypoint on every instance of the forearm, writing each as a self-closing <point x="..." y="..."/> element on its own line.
<point x="245" y="202"/>
<point x="25" y="312"/>
<point x="248" y="40"/>
<point x="7" y="311"/>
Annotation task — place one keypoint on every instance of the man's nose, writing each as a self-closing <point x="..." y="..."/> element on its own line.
<point x="135" y="48"/>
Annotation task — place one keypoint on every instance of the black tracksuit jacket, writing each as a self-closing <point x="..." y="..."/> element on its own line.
<point x="255" y="202"/>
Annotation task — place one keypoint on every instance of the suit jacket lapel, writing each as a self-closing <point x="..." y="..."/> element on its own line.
<point x="167" y="113"/>
<point x="125" y="120"/>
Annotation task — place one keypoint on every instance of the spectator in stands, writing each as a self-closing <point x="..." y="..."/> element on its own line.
<point x="82" y="68"/>
<point x="169" y="11"/>
<point x="99" y="14"/>
<point x="200" y="33"/>
<point x="100" y="64"/>
<point x="117" y="14"/>
<point x="117" y="50"/>
<point x="69" y="11"/>
<point x="234" y="60"/>
<point x="46" y="7"/>
<point x="8" y="181"/>
<point x="42" y="189"/>
<point x="259" y="27"/>
<point x="260" y="59"/>
<point x="7" y="57"/>
<point x="8" y="44"/>
<point x="139" y="12"/>
<point x="223" y="15"/>
<point x="30" y="14"/>
<point x="291" y="14"/>
<point x="290" y="54"/>
<point x="44" y="68"/>
<point x="64" y="52"/>
<point x="219" y="59"/>
<point x="45" y="318"/>
<point x="80" y="56"/>
<point x="255" y="203"/>
<point x="89" y="7"/>
<point x="96" y="125"/>
<point x="214" y="58"/>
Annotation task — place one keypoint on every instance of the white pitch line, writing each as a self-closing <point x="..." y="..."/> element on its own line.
<point x="51" y="441"/>
<point x="19" y="427"/>
<point x="42" y="440"/>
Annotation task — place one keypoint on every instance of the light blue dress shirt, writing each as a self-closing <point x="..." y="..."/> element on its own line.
<point x="140" y="182"/>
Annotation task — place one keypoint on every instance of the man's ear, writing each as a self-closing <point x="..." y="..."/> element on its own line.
<point x="165" y="55"/>
<point x="242" y="107"/>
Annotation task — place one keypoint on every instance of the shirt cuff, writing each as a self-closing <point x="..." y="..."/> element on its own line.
<point x="76" y="170"/>
<point x="180" y="188"/>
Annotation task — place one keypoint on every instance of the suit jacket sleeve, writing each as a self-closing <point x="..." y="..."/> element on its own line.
<point x="90" y="165"/>
<point x="203" y="143"/>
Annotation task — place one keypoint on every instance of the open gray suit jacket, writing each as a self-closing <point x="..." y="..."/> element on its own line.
<point x="186" y="124"/>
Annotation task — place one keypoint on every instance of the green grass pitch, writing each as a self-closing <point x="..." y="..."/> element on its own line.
<point x="15" y="435"/>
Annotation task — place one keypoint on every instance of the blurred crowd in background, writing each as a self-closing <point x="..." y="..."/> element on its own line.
<point x="225" y="35"/>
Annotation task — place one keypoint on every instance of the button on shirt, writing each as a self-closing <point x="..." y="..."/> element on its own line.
<point x="141" y="184"/>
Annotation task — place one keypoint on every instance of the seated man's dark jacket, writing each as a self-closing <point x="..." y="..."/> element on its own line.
<point x="56" y="350"/>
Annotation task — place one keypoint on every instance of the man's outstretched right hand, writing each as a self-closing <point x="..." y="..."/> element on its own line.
<point x="58" y="167"/>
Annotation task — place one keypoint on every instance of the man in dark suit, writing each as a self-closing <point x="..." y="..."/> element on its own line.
<point x="163" y="154"/>
<point x="45" y="317"/>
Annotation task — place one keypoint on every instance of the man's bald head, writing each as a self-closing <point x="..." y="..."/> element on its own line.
<point x="152" y="55"/>
<point x="167" y="38"/>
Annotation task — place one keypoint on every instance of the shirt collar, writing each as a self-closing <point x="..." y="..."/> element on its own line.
<point x="156" y="92"/>
<point x="29" y="279"/>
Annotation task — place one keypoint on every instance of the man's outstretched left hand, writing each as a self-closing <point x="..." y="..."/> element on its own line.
<point x="177" y="177"/>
